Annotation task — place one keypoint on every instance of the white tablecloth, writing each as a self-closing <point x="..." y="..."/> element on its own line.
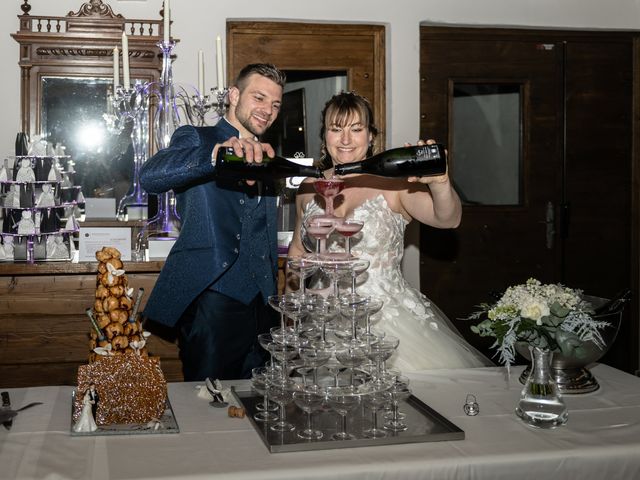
<point x="600" y="441"/>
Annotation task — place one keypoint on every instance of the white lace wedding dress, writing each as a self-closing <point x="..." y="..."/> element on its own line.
<point x="427" y="338"/>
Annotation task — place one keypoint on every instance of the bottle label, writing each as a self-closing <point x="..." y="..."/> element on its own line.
<point x="427" y="152"/>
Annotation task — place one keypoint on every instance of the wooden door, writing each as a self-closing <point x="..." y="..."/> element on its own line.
<point x="559" y="220"/>
<point x="316" y="47"/>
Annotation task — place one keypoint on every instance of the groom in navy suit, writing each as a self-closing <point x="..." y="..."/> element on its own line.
<point x="217" y="278"/>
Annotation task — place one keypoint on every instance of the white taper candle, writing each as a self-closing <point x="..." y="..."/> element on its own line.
<point x="201" y="72"/>
<point x="167" y="20"/>
<point x="116" y="69"/>
<point x="125" y="61"/>
<point x="219" y="62"/>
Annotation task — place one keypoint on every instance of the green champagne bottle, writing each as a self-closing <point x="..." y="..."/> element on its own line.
<point x="228" y="164"/>
<point x="419" y="161"/>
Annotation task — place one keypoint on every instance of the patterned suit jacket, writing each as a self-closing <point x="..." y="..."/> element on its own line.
<point x="210" y="211"/>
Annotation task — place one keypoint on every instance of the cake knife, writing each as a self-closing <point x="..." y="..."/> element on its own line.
<point x="6" y="405"/>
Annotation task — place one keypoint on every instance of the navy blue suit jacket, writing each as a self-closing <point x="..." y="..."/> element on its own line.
<point x="209" y="210"/>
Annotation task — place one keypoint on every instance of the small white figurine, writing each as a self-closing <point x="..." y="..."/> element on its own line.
<point x="12" y="198"/>
<point x="86" y="422"/>
<point x="56" y="248"/>
<point x="71" y="225"/>
<point x="38" y="147"/>
<point x="8" y="247"/>
<point x="26" y="225"/>
<point x="25" y="172"/>
<point x="4" y="171"/>
<point x="54" y="173"/>
<point x="45" y="199"/>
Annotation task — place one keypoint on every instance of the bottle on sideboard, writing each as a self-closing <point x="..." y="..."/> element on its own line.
<point x="22" y="144"/>
<point x="418" y="160"/>
<point x="228" y="164"/>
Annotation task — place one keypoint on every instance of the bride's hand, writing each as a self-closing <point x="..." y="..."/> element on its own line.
<point x="444" y="178"/>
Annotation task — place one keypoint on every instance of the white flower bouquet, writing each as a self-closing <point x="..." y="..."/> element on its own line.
<point x="548" y="316"/>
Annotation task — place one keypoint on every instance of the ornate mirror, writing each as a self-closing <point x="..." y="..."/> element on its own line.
<point x="66" y="65"/>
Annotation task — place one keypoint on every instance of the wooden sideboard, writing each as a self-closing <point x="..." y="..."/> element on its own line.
<point x="44" y="328"/>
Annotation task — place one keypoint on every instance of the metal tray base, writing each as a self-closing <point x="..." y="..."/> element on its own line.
<point x="424" y="425"/>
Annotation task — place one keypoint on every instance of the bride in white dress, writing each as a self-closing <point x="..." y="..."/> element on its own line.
<point x="386" y="206"/>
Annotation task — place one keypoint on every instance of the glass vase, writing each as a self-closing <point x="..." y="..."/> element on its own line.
<point x="541" y="404"/>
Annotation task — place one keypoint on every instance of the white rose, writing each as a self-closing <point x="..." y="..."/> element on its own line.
<point x="535" y="310"/>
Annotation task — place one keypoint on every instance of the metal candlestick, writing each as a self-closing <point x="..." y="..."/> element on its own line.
<point x="133" y="103"/>
<point x="199" y="104"/>
<point x="220" y="94"/>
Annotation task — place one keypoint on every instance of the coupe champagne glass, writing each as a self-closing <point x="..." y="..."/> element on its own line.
<point x="282" y="394"/>
<point x="274" y="302"/>
<point x="375" y="400"/>
<point x="358" y="267"/>
<point x="315" y="355"/>
<point x="374" y="305"/>
<point x="308" y="401"/>
<point x="265" y="411"/>
<point x="328" y="188"/>
<point x="351" y="356"/>
<point x="283" y="353"/>
<point x="343" y="400"/>
<point x="293" y="307"/>
<point x="335" y="268"/>
<point x="353" y="308"/>
<point x="303" y="268"/>
<point x="319" y="228"/>
<point x="399" y="391"/>
<point x="348" y="228"/>
<point x="324" y="314"/>
<point x="380" y="351"/>
<point x="266" y="339"/>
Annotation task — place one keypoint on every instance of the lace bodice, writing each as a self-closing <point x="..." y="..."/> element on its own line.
<point x="381" y="240"/>
<point x="427" y="337"/>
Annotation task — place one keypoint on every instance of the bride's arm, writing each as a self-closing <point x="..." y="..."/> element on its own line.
<point x="438" y="205"/>
<point x="432" y="200"/>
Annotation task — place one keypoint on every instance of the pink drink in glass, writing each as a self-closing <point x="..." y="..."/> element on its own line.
<point x="347" y="229"/>
<point x="320" y="229"/>
<point x="328" y="188"/>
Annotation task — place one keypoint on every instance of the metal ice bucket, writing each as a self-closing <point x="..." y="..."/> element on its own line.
<point x="570" y="372"/>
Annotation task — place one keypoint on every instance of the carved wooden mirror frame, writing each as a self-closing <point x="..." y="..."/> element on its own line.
<point x="79" y="44"/>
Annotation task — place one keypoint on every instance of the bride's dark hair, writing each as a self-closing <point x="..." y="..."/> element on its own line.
<point x="341" y="108"/>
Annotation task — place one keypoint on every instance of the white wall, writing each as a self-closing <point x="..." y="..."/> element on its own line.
<point x="197" y="22"/>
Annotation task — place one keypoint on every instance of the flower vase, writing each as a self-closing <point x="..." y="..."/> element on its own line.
<point x="541" y="404"/>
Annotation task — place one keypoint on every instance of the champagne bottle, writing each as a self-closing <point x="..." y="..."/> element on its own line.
<point x="616" y="304"/>
<point x="228" y="164"/>
<point x="22" y="144"/>
<point x="419" y="161"/>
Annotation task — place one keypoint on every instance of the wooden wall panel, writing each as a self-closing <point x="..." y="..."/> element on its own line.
<point x="44" y="329"/>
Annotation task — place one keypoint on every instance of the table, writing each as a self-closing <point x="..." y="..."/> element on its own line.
<point x="601" y="439"/>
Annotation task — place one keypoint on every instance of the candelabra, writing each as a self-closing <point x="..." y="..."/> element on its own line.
<point x="200" y="105"/>
<point x="133" y="103"/>
<point x="166" y="223"/>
